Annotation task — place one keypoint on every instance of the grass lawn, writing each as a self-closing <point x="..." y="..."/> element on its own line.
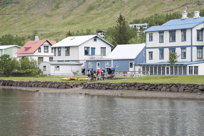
<point x="37" y="78"/>
<point x="161" y="79"/>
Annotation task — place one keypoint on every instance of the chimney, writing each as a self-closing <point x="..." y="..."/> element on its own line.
<point x="196" y="14"/>
<point x="36" y="38"/>
<point x="184" y="14"/>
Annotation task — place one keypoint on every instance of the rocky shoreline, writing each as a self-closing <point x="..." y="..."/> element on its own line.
<point x="171" y="87"/>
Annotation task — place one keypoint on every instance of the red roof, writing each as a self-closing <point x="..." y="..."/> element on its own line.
<point x="31" y="46"/>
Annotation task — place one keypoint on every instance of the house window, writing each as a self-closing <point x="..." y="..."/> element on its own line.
<point x="172" y="36"/>
<point x="44" y="68"/>
<point x="39" y="50"/>
<point x="92" y="51"/>
<point x="199" y="52"/>
<point x="97" y="64"/>
<point x="183" y="35"/>
<point x="40" y="59"/>
<point x="52" y="50"/>
<point x="150" y="55"/>
<point x="59" y="51"/>
<point x="50" y="58"/>
<point x="86" y="50"/>
<point x="46" y="49"/>
<point x="131" y="65"/>
<point x="184" y="70"/>
<point x="173" y="50"/>
<point x="55" y="51"/>
<point x="195" y="70"/>
<point x="67" y="51"/>
<point x="161" y="37"/>
<point x="103" y="51"/>
<point x="150" y="37"/>
<point x="190" y="70"/>
<point x="161" y="53"/>
<point x="183" y="53"/>
<point x="57" y="68"/>
<point x="200" y="35"/>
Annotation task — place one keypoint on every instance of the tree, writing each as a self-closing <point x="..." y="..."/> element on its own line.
<point x="172" y="58"/>
<point x="8" y="65"/>
<point x="9" y="39"/>
<point x="122" y="33"/>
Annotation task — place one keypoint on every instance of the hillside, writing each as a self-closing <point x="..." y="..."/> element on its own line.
<point x="53" y="18"/>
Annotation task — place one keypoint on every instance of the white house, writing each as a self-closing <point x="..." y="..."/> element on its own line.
<point x="39" y="50"/>
<point x="77" y="49"/>
<point x="11" y="50"/>
<point x="184" y="37"/>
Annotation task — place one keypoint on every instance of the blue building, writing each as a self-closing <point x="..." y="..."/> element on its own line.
<point x="124" y="58"/>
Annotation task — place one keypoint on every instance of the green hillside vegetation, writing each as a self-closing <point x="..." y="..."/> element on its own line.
<point x="53" y="19"/>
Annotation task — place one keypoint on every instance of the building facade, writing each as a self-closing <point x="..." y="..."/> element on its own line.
<point x="184" y="37"/>
<point x="10" y="50"/>
<point x="39" y="50"/>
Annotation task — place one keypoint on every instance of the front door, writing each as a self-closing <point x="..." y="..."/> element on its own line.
<point x="131" y="66"/>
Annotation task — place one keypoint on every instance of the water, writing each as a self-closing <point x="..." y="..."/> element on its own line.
<point x="26" y="113"/>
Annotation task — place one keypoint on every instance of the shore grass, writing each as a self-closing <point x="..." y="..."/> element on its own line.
<point x="161" y="79"/>
<point x="37" y="78"/>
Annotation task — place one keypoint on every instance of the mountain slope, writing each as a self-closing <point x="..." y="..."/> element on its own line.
<point x="53" y="18"/>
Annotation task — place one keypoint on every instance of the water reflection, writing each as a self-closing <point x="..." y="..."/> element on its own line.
<point x="23" y="113"/>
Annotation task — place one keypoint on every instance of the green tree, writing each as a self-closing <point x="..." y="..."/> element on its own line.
<point x="9" y="39"/>
<point x="122" y="33"/>
<point x="8" y="65"/>
<point x="172" y="58"/>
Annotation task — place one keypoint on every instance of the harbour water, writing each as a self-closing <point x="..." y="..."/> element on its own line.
<point x="28" y="113"/>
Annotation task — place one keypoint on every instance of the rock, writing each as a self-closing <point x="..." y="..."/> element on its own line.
<point x="173" y="89"/>
<point x="201" y="87"/>
<point x="163" y="89"/>
<point x="181" y="89"/>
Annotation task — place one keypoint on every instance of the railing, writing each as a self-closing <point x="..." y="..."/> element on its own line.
<point x="130" y="74"/>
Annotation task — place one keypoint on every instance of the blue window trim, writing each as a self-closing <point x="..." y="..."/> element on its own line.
<point x="150" y="40"/>
<point x="201" y="52"/>
<point x="94" y="51"/>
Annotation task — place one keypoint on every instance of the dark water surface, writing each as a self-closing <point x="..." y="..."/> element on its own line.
<point x="26" y="113"/>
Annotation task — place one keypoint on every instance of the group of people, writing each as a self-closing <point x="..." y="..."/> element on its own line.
<point x="96" y="75"/>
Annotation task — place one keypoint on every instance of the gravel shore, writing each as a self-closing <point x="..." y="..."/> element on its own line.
<point x="115" y="93"/>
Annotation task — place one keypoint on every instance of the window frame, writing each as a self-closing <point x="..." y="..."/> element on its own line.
<point x="103" y="53"/>
<point x="150" y="37"/>
<point x="88" y="51"/>
<point x="150" y="55"/>
<point x="67" y="51"/>
<point x="161" y="56"/>
<point x="183" y="35"/>
<point x="94" y="51"/>
<point x="161" y="37"/>
<point x="59" y="51"/>
<point x="183" y="53"/>
<point x="200" y="35"/>
<point x="46" y="50"/>
<point x="172" y="36"/>
<point x="200" y="52"/>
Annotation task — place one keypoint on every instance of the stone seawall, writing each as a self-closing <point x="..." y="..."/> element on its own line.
<point x="42" y="84"/>
<point x="190" y="88"/>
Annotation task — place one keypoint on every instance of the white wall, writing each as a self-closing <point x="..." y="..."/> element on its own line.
<point x="200" y="68"/>
<point x="74" y="54"/>
<point x="47" y="71"/>
<point x="65" y="70"/>
<point x="155" y="42"/>
<point x="97" y="44"/>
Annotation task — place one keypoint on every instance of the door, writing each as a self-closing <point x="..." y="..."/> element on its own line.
<point x="131" y="66"/>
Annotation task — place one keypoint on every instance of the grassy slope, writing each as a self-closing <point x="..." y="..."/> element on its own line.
<point x="53" y="18"/>
<point x="162" y="79"/>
